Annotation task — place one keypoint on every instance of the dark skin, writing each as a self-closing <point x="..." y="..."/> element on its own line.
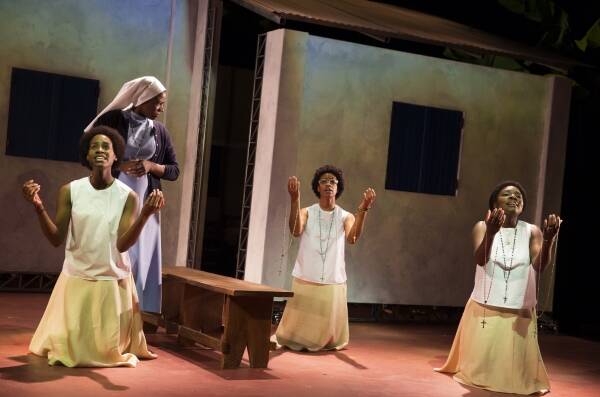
<point x="101" y="157"/>
<point x="509" y="206"/>
<point x="151" y="109"/>
<point x="353" y="226"/>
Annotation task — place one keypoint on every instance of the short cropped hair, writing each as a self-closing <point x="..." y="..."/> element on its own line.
<point x="118" y="144"/>
<point x="331" y="169"/>
<point x="494" y="195"/>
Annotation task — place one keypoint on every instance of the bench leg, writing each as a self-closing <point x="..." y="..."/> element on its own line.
<point x="234" y="334"/>
<point x="247" y="322"/>
<point x="172" y="301"/>
<point x="259" y="331"/>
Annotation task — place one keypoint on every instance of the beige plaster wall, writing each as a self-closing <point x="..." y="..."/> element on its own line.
<point x="109" y="40"/>
<point x="328" y="101"/>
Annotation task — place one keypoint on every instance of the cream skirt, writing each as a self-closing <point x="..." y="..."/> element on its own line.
<point x="316" y="318"/>
<point x="503" y="356"/>
<point x="91" y="323"/>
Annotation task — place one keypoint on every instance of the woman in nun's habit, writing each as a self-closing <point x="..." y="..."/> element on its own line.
<point x="149" y="157"/>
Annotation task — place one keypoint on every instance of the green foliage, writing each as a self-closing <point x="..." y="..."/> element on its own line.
<point x="553" y="20"/>
<point x="555" y="33"/>
<point x="591" y="38"/>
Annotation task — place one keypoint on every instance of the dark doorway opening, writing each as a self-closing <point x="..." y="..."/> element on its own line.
<point x="231" y="119"/>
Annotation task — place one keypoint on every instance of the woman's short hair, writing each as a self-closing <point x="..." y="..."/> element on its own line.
<point x="116" y="139"/>
<point x="494" y="195"/>
<point x="331" y="169"/>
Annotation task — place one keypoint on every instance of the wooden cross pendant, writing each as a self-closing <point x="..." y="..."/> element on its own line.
<point x="483" y="323"/>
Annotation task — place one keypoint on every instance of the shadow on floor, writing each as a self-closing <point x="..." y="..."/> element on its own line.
<point x="207" y="359"/>
<point x="35" y="369"/>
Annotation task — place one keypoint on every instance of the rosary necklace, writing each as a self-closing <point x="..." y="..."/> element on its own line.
<point x="284" y="250"/>
<point x="506" y="272"/>
<point x="539" y="275"/>
<point x="485" y="298"/>
<point x="323" y="253"/>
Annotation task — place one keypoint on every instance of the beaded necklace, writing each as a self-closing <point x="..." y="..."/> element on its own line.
<point x="323" y="253"/>
<point x="290" y="239"/>
<point x="485" y="298"/>
<point x="506" y="272"/>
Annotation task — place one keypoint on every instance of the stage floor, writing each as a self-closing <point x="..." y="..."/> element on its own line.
<point x="381" y="360"/>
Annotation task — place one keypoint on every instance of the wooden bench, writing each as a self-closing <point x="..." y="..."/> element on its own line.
<point x="223" y="313"/>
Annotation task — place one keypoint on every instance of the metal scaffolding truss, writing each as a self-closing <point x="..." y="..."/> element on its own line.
<point x="207" y="69"/>
<point x="27" y="282"/>
<point x="251" y="156"/>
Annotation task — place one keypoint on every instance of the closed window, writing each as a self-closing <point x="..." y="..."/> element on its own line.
<point x="47" y="114"/>
<point x="424" y="149"/>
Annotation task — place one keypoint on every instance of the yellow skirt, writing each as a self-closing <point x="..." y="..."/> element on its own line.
<point x="316" y="318"/>
<point x="503" y="356"/>
<point x="91" y="323"/>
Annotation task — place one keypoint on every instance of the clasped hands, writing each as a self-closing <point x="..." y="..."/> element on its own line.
<point x="136" y="167"/>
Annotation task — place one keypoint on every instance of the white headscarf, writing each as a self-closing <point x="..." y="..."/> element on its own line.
<point x="133" y="93"/>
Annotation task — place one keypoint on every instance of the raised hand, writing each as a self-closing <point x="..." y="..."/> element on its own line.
<point x="494" y="220"/>
<point x="551" y="227"/>
<point x="154" y="202"/>
<point x="30" y="193"/>
<point x="294" y="188"/>
<point x="368" y="199"/>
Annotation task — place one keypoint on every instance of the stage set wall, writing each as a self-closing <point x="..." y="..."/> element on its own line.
<point x="329" y="102"/>
<point x="112" y="41"/>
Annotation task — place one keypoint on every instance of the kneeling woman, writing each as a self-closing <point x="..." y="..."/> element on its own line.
<point x="316" y="318"/>
<point x="93" y="318"/>
<point x="496" y="346"/>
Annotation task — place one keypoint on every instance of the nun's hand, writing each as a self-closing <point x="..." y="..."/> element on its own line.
<point x="128" y="166"/>
<point x="142" y="167"/>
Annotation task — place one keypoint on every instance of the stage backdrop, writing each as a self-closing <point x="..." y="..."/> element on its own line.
<point x="109" y="40"/>
<point x="330" y="102"/>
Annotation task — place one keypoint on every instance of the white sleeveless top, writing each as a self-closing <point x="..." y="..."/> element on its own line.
<point x="321" y="253"/>
<point x="516" y="283"/>
<point x="91" y="250"/>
